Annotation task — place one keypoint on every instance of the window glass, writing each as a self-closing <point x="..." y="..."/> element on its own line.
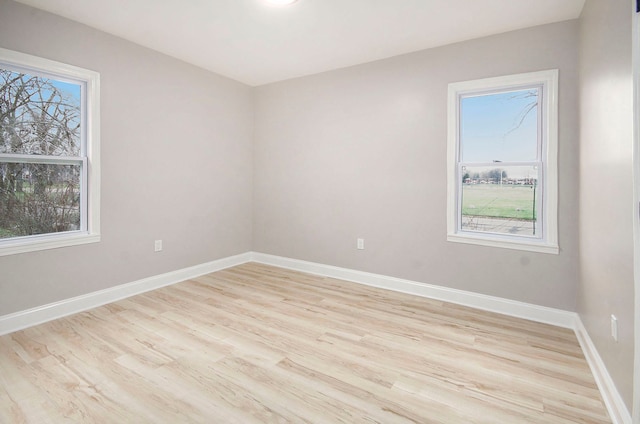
<point x="501" y="126"/>
<point x="501" y="200"/>
<point x="39" y="116"/>
<point x="39" y="199"/>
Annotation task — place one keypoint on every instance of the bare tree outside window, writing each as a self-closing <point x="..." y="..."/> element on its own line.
<point x="39" y="118"/>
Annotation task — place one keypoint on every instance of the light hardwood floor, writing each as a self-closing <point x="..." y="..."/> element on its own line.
<point x="258" y="344"/>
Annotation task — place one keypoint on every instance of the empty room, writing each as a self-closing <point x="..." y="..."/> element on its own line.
<point x="319" y="211"/>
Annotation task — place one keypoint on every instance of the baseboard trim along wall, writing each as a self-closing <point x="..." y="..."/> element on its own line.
<point x="617" y="409"/>
<point x="512" y="308"/>
<point x="30" y="317"/>
<point x="612" y="399"/>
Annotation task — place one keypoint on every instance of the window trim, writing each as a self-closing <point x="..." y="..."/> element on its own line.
<point x="549" y="241"/>
<point x="90" y="154"/>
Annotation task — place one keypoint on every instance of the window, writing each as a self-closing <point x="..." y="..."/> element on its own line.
<point x="49" y="154"/>
<point x="502" y="168"/>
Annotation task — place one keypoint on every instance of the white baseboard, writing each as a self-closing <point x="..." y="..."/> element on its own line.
<point x="23" y="319"/>
<point x="512" y="308"/>
<point x="612" y="399"/>
<point x="30" y="317"/>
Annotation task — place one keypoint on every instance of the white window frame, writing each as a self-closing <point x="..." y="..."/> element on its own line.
<point x="89" y="158"/>
<point x="548" y="218"/>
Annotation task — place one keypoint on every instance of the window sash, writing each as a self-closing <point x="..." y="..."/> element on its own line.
<point x="540" y="142"/>
<point x="539" y="209"/>
<point x="540" y="114"/>
<point x="44" y="159"/>
<point x="57" y="160"/>
<point x="84" y="101"/>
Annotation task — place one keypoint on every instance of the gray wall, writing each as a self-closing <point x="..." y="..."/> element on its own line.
<point x="361" y="152"/>
<point x="606" y="189"/>
<point x="176" y="164"/>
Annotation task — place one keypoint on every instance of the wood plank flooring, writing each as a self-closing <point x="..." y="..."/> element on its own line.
<point x="259" y="344"/>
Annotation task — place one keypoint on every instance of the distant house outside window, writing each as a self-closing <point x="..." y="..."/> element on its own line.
<point x="49" y="154"/>
<point x="502" y="166"/>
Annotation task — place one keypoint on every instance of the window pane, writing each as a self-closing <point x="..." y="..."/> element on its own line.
<point x="39" y="115"/>
<point x="500" y="200"/>
<point x="500" y="127"/>
<point x="39" y="199"/>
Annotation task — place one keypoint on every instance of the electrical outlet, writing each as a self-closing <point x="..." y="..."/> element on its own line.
<point x="614" y="327"/>
<point x="360" y="244"/>
<point x="157" y="246"/>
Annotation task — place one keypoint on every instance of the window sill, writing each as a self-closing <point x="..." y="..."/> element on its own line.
<point x="531" y="246"/>
<point x="36" y="243"/>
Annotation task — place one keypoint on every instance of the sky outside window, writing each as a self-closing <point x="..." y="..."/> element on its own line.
<point x="500" y="127"/>
<point x="71" y="89"/>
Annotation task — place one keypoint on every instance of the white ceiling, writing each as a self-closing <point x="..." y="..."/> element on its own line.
<point x="254" y="43"/>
